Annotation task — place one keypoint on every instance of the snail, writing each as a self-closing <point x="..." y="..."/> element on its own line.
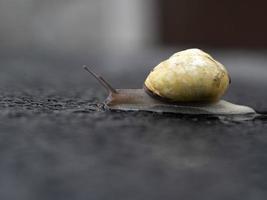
<point x="189" y="82"/>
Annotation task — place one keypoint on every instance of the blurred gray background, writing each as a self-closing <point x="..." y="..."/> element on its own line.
<point x="77" y="25"/>
<point x="119" y="37"/>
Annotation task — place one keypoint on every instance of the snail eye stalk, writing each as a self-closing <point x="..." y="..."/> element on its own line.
<point x="101" y="80"/>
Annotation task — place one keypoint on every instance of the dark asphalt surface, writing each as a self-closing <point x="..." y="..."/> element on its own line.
<point x="57" y="142"/>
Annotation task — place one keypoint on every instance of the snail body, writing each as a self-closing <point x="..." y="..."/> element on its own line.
<point x="139" y="100"/>
<point x="189" y="82"/>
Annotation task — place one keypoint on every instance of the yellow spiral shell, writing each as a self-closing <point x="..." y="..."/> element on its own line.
<point x="188" y="76"/>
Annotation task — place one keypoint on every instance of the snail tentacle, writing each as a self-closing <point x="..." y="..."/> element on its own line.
<point x="101" y="80"/>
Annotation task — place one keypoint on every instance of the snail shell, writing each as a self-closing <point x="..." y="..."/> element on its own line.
<point x="188" y="76"/>
<point x="189" y="82"/>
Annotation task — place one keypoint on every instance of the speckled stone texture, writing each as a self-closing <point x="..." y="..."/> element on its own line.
<point x="57" y="141"/>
